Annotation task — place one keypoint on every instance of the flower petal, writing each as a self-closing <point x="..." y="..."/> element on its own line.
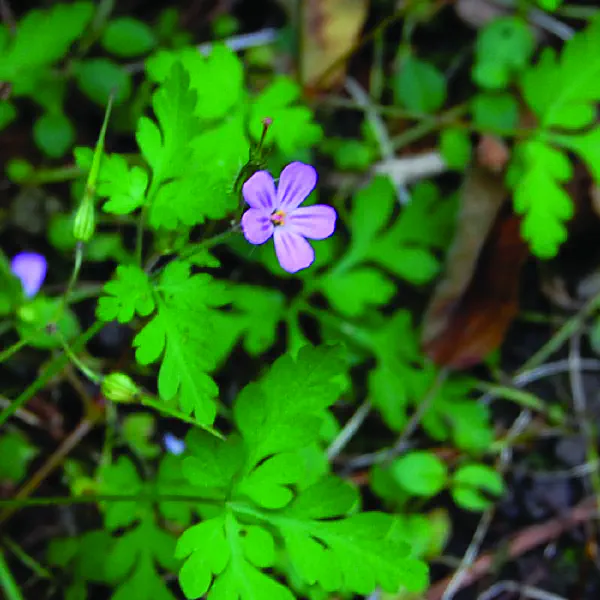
<point x="30" y="268"/>
<point x="256" y="226"/>
<point x="259" y="192"/>
<point x="296" y="182"/>
<point x="314" y="222"/>
<point x="294" y="253"/>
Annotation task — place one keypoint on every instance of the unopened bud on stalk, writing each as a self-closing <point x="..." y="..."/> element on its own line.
<point x="84" y="224"/>
<point x="119" y="387"/>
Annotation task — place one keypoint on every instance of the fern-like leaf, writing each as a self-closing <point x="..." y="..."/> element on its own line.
<point x="562" y="91"/>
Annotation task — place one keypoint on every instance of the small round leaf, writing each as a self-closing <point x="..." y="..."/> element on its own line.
<point x="128" y="37"/>
<point x="98" y="77"/>
<point x="53" y="134"/>
<point x="420" y="473"/>
<point x="420" y="86"/>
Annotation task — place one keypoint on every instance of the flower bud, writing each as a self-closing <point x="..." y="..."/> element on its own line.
<point x="119" y="387"/>
<point x="84" y="224"/>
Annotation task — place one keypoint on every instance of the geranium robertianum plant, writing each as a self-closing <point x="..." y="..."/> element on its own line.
<point x="187" y="318"/>
<point x="248" y="505"/>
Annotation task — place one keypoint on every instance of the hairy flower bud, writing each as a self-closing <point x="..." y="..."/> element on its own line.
<point x="84" y="224"/>
<point x="119" y="387"/>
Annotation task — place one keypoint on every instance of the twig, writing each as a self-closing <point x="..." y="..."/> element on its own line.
<point x="24" y="415"/>
<point x="525" y="591"/>
<point x="364" y="101"/>
<point x="542" y="20"/>
<point x="523" y="542"/>
<point x="456" y="582"/>
<point x="579" y="406"/>
<point x="386" y="148"/>
<point x="571" y="326"/>
<point x="524" y="378"/>
<point x="409" y="169"/>
<point x="236" y="43"/>
<point x="551" y="24"/>
<point x="7" y="17"/>
<point x="521" y="380"/>
<point x="422" y="408"/>
<point x="349" y="430"/>
<point x="82" y="429"/>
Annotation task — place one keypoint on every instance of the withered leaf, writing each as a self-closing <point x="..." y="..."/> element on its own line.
<point x="477" y="299"/>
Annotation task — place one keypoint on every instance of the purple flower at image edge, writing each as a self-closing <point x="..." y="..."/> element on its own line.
<point x="277" y="212"/>
<point x="30" y="268"/>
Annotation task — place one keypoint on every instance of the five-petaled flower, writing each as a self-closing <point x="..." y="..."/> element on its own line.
<point x="277" y="213"/>
<point x="30" y="268"/>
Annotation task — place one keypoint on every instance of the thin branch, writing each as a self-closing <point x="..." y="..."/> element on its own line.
<point x="457" y="580"/>
<point x="521" y="543"/>
<point x="514" y="587"/>
<point x="349" y="430"/>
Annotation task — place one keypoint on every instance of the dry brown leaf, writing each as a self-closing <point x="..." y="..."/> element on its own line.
<point x="330" y="28"/>
<point x="477" y="299"/>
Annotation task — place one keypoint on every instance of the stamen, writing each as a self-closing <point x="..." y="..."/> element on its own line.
<point x="278" y="218"/>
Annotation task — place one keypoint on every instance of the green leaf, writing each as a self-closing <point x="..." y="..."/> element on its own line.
<point x="394" y="381"/>
<point x="402" y="377"/>
<point x="420" y="473"/>
<point x="474" y="486"/>
<point x="35" y="317"/>
<point x="284" y="410"/>
<point x="267" y="484"/>
<point x="495" y="112"/>
<point x="121" y="479"/>
<point x="196" y="574"/>
<point x="549" y="5"/>
<point x="404" y="248"/>
<point x="212" y="463"/>
<point x="181" y="333"/>
<point x="260" y="479"/>
<point x="235" y="549"/>
<point x="190" y="181"/>
<point x="353" y="155"/>
<point x="539" y="169"/>
<point x="42" y="38"/>
<point x="537" y="173"/>
<point x="8" y="113"/>
<point x="419" y="86"/>
<point x="54" y="134"/>
<point x="357" y="553"/>
<point x="166" y="147"/>
<point x="454" y="416"/>
<point x="504" y="48"/>
<point x="128" y="37"/>
<point x="124" y="186"/>
<point x="262" y="309"/>
<point x="85" y="555"/>
<point x="97" y="78"/>
<point x="455" y="146"/>
<point x="352" y="292"/>
<point x="131" y="563"/>
<point x="573" y="99"/>
<point x="138" y="430"/>
<point x="293" y="127"/>
<point x="128" y="294"/>
<point x="216" y="79"/>
<point x="14" y="445"/>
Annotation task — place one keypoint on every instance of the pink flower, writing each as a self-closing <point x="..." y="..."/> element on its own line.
<point x="277" y="213"/>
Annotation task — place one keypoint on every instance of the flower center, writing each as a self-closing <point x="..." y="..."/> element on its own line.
<point x="278" y="218"/>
